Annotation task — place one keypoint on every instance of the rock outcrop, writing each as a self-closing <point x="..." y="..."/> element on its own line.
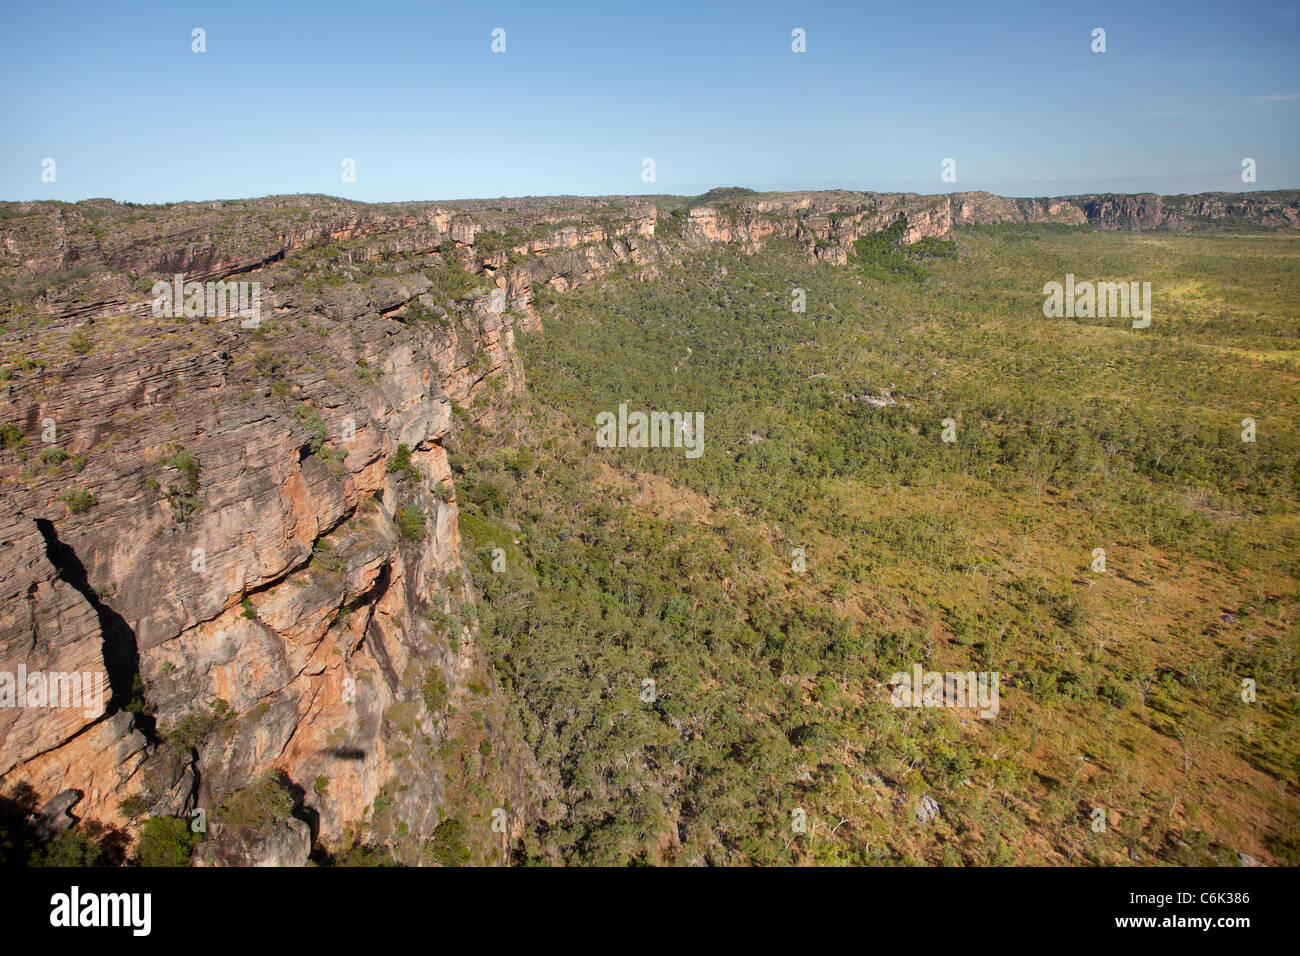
<point x="250" y="534"/>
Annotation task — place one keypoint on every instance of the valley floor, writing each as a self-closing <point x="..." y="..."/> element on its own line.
<point x="916" y="470"/>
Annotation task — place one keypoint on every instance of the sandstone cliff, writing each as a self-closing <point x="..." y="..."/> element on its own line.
<point x="253" y="532"/>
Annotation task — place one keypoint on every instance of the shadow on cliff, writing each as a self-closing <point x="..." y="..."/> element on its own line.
<point x="32" y="835"/>
<point x="121" y="654"/>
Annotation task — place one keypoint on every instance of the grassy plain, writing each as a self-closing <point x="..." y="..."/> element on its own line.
<point x="1120" y="690"/>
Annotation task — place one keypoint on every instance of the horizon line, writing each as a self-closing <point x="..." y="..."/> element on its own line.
<point x="665" y="195"/>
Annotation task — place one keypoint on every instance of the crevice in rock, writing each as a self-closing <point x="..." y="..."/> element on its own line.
<point x="251" y="267"/>
<point x="378" y="588"/>
<point x="284" y="575"/>
<point x="31" y="616"/>
<point x="121" y="653"/>
<point x="36" y="755"/>
<point x="380" y="654"/>
<point x="368" y="598"/>
<point x="300" y="809"/>
<point x="196" y="780"/>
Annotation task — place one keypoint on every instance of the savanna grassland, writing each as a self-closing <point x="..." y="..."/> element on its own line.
<point x="1121" y="690"/>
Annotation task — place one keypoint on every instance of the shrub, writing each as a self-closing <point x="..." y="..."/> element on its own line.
<point x="435" y="690"/>
<point x="883" y="256"/>
<point x="410" y="522"/>
<point x="166" y="841"/>
<point x="81" y="342"/>
<point x="311" y="420"/>
<point x="187" y="464"/>
<point x="184" y="500"/>
<point x="327" y="559"/>
<point x="448" y="844"/>
<point x="78" y="500"/>
<point x="134" y="806"/>
<point x="488" y="495"/>
<point x="195" y="729"/>
<point x="1067" y="613"/>
<point x="451" y="280"/>
<point x="68" y="848"/>
<point x="401" y="462"/>
<point x="258" y="806"/>
<point x="1114" y="693"/>
<point x="360" y="855"/>
<point x="521" y="463"/>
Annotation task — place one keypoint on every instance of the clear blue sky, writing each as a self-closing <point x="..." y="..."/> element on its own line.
<point x="712" y="92"/>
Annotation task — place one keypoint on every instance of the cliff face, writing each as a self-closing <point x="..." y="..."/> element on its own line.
<point x="1149" y="211"/>
<point x="251" y="533"/>
<point x="226" y="522"/>
<point x="827" y="223"/>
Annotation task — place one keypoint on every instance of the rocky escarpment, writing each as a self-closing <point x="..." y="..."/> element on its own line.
<point x="828" y="223"/>
<point x="250" y="533"/>
<point x="96" y="257"/>
<point x="285" y="597"/>
<point x="1275" y="210"/>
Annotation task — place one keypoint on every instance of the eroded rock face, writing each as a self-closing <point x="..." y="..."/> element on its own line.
<point x="277" y="622"/>
<point x="284" y="843"/>
<point x="980" y="208"/>
<point x="826" y="221"/>
<point x="250" y="537"/>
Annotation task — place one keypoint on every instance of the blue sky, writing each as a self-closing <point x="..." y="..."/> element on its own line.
<point x="585" y="91"/>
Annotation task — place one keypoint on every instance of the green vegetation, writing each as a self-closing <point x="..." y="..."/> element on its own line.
<point x="166" y="841"/>
<point x="411" y="522"/>
<point x="310" y="419"/>
<point x="451" y="281"/>
<point x="448" y="844"/>
<point x="194" y="730"/>
<point x="325" y="557"/>
<point x="882" y="256"/>
<point x="134" y="806"/>
<point x="435" y="690"/>
<point x="81" y="341"/>
<point x="400" y="463"/>
<point x="360" y="855"/>
<point x="78" y="500"/>
<point x="258" y="807"/>
<point x="70" y="847"/>
<point x="770" y="690"/>
<point x="184" y="499"/>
